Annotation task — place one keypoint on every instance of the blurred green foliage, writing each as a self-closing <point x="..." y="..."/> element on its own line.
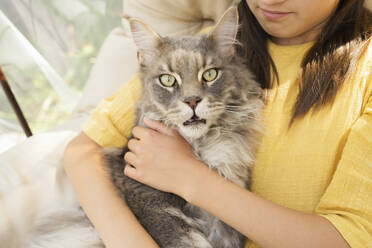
<point x="40" y="104"/>
<point x="77" y="38"/>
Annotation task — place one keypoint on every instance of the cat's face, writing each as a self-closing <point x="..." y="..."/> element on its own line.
<point x="190" y="80"/>
<point x="188" y="88"/>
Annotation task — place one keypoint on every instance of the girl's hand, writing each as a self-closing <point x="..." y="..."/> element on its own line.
<point x="161" y="158"/>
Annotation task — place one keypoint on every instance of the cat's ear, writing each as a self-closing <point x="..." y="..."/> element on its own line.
<point x="225" y="31"/>
<point x="145" y="39"/>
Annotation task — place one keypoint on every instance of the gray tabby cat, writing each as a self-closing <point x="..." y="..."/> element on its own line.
<point x="198" y="86"/>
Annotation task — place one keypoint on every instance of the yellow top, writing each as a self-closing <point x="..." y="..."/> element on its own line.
<point x="322" y="165"/>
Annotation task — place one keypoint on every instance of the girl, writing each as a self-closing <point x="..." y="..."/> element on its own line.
<point x="312" y="180"/>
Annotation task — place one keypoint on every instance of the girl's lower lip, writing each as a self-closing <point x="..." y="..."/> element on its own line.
<point x="274" y="15"/>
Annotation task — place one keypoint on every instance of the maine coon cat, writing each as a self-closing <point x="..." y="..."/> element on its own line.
<point x="198" y="86"/>
<point x="201" y="88"/>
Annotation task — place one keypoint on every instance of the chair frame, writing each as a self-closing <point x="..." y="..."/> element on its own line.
<point x="15" y="106"/>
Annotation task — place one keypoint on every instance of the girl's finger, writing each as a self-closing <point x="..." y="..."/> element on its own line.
<point x="139" y="132"/>
<point x="158" y="126"/>
<point x="130" y="171"/>
<point x="130" y="158"/>
<point x="133" y="145"/>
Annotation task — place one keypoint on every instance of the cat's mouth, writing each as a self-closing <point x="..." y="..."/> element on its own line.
<point x="194" y="120"/>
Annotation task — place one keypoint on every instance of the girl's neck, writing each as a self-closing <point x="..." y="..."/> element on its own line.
<point x="294" y="40"/>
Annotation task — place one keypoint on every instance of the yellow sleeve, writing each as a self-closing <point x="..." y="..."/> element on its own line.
<point x="347" y="202"/>
<point x="110" y="124"/>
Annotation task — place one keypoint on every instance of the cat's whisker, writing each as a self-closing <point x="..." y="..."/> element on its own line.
<point x="172" y="111"/>
<point x="242" y="111"/>
<point x="215" y="105"/>
<point x="238" y="121"/>
<point x="247" y="113"/>
<point x="166" y="121"/>
<point x="237" y="107"/>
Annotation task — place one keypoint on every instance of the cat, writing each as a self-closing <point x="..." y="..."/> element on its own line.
<point x="197" y="85"/>
<point x="201" y="88"/>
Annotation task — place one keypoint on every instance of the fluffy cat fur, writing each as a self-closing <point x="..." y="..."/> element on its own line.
<point x="223" y="134"/>
<point x="218" y="118"/>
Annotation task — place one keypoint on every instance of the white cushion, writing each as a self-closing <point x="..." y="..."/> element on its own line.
<point x="175" y="17"/>
<point x="115" y="64"/>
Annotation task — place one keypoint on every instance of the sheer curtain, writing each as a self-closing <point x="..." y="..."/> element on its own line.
<point x="47" y="48"/>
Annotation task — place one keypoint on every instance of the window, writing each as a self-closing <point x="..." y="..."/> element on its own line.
<point x="47" y="50"/>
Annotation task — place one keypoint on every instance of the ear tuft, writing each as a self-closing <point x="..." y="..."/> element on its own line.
<point x="226" y="29"/>
<point x="144" y="37"/>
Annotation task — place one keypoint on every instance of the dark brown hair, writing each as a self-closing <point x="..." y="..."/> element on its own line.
<point x="324" y="67"/>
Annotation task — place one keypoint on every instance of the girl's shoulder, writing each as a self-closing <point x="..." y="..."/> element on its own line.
<point x="361" y="72"/>
<point x="361" y="64"/>
<point x="364" y="53"/>
<point x="367" y="68"/>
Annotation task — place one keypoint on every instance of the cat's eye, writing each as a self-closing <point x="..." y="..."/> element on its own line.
<point x="167" y="80"/>
<point x="210" y="75"/>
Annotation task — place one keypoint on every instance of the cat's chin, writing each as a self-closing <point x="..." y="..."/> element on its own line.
<point x="192" y="132"/>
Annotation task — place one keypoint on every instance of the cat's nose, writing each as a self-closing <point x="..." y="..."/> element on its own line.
<point x="192" y="101"/>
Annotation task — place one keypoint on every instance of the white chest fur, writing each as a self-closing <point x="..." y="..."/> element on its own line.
<point x="230" y="155"/>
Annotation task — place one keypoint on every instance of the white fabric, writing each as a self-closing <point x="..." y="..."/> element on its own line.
<point x="176" y="17"/>
<point x="32" y="182"/>
<point x="26" y="162"/>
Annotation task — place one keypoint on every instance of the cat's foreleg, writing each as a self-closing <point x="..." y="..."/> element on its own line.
<point x="193" y="239"/>
<point x="158" y="212"/>
<point x="171" y="228"/>
<point x="222" y="235"/>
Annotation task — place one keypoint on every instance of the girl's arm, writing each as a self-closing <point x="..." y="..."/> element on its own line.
<point x="114" y="221"/>
<point x="163" y="160"/>
<point x="267" y="224"/>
